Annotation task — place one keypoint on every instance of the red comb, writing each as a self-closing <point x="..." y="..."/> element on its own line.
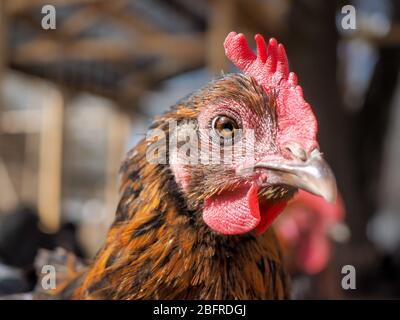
<point x="270" y="68"/>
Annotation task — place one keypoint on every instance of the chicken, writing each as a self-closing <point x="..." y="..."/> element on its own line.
<point x="308" y="229"/>
<point x="198" y="229"/>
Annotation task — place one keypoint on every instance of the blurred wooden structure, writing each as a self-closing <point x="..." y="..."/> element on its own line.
<point x="37" y="161"/>
<point x="36" y="134"/>
<point x="120" y="48"/>
<point x="116" y="49"/>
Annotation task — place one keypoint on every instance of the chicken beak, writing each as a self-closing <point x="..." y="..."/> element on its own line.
<point x="312" y="175"/>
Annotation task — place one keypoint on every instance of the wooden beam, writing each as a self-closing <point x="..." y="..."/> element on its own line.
<point x="44" y="49"/>
<point x="117" y="135"/>
<point x="17" y="6"/>
<point x="3" y="46"/>
<point x="263" y="16"/>
<point x="220" y="24"/>
<point x="20" y="121"/>
<point x="29" y="178"/>
<point x="49" y="197"/>
<point x="392" y="38"/>
<point x="9" y="197"/>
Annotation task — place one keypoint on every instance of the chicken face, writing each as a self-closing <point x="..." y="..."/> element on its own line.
<point x="254" y="143"/>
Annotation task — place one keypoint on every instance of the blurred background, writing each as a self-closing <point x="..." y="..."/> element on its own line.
<point x="74" y="99"/>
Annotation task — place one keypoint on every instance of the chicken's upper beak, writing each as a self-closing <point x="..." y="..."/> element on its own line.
<point x="312" y="174"/>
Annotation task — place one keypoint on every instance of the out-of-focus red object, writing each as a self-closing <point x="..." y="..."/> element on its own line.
<point x="305" y="229"/>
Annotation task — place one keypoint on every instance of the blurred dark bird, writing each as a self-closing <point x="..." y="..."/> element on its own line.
<point x="16" y="227"/>
<point x="20" y="241"/>
<point x="198" y="229"/>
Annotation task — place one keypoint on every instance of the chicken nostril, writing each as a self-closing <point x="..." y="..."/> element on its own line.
<point x="296" y="152"/>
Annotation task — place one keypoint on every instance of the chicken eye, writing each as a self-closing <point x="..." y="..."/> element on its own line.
<point x="225" y="127"/>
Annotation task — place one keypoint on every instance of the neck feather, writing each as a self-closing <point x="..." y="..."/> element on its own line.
<point x="157" y="248"/>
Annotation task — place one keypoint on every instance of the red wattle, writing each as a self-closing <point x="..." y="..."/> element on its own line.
<point x="268" y="215"/>
<point x="233" y="212"/>
<point x="238" y="211"/>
